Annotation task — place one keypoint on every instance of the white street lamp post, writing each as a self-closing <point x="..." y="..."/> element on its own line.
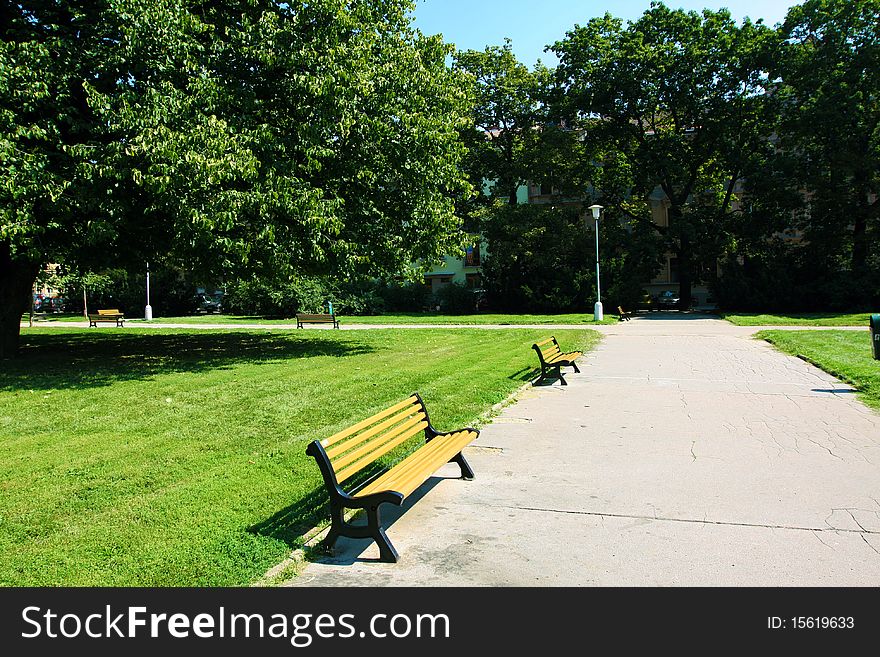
<point x="148" y="311"/>
<point x="598" y="315"/>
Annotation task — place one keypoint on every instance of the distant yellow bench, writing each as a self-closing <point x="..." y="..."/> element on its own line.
<point x="552" y="357"/>
<point x="108" y="315"/>
<point x="357" y="448"/>
<point x="623" y="315"/>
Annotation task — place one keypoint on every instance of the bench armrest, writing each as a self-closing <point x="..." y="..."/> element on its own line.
<point x="383" y="497"/>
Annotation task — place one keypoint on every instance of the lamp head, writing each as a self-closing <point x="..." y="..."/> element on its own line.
<point x="595" y="209"/>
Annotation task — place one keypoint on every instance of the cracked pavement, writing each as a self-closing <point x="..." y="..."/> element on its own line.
<point x="685" y="453"/>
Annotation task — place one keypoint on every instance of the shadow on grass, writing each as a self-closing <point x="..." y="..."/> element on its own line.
<point x="91" y="359"/>
<point x="290" y="523"/>
<point x="525" y="374"/>
<point x="348" y="551"/>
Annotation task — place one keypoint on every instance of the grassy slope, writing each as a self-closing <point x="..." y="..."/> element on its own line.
<point x="798" y="319"/>
<point x="176" y="457"/>
<point x="844" y="354"/>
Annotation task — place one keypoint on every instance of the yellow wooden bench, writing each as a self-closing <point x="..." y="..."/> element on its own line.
<point x="623" y="316"/>
<point x="306" y="318"/>
<point x="552" y="357"/>
<point x="108" y="315"/>
<point x="357" y="449"/>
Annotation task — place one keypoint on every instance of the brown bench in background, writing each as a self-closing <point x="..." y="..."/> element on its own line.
<point x="304" y="318"/>
<point x="108" y="315"/>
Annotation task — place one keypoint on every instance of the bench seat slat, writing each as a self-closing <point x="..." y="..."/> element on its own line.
<point x="420" y="470"/>
<point x="357" y="466"/>
<point x="572" y="355"/>
<point x="336" y="437"/>
<point x="412" y="472"/>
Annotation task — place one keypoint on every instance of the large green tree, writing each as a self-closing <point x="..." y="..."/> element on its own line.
<point x="217" y="135"/>
<point x="506" y="111"/>
<point x="673" y="101"/>
<point x="830" y="100"/>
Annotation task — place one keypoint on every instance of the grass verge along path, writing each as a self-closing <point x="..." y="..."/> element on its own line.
<point x="844" y="354"/>
<point x="798" y="319"/>
<point x="403" y="318"/>
<point x="154" y="457"/>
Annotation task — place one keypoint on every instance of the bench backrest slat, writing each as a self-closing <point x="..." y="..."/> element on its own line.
<point x="366" y="434"/>
<point x="369" y="452"/>
<point x="345" y="433"/>
<point x="552" y="350"/>
<point x="360" y="445"/>
<point x="111" y="311"/>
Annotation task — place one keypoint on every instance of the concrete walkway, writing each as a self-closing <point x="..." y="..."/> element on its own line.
<point x="686" y="453"/>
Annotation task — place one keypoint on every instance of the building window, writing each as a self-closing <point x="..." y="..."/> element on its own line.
<point x="473" y="281"/>
<point x="472" y="256"/>
<point x="546" y="189"/>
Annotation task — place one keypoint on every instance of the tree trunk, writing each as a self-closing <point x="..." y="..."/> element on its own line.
<point x="16" y="285"/>
<point x="511" y="198"/>
<point x="685" y="257"/>
<point x="85" y="304"/>
<point x="859" y="262"/>
<point x="685" y="278"/>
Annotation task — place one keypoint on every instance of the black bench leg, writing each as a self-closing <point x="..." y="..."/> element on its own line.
<point x="387" y="553"/>
<point x="339" y="527"/>
<point x="466" y="471"/>
<point x="543" y="374"/>
<point x="337" y="522"/>
<point x="574" y="365"/>
<point x="559" y="376"/>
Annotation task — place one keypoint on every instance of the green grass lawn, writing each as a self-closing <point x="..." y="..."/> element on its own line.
<point x="844" y="354"/>
<point x="402" y="318"/>
<point x="153" y="457"/>
<point x="798" y="319"/>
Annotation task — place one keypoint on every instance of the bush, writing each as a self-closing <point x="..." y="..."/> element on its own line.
<point x="410" y="297"/>
<point x="456" y="299"/>
<point x="785" y="283"/>
<point x="171" y="292"/>
<point x="541" y="259"/>
<point x="266" y="298"/>
<point x="356" y="298"/>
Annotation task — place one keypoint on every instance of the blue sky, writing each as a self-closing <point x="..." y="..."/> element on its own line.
<point x="532" y="24"/>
